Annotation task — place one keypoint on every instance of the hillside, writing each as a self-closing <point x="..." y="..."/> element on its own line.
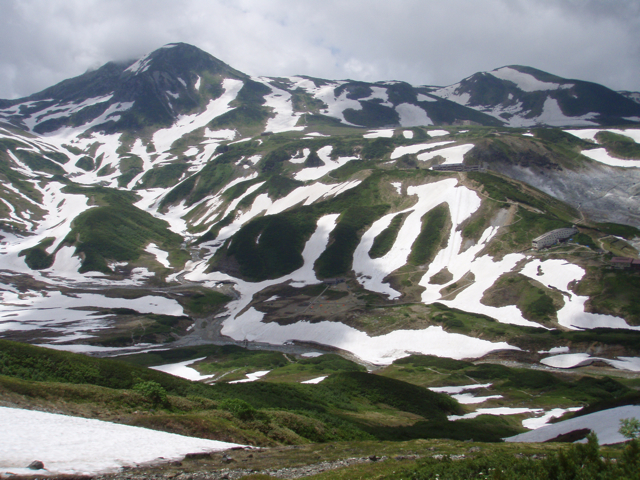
<point x="216" y="225"/>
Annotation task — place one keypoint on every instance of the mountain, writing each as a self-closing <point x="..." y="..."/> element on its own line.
<point x="174" y="200"/>
<point x="525" y="97"/>
<point x="340" y="260"/>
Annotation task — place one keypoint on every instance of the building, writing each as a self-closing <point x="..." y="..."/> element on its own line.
<point x="625" y="263"/>
<point x="553" y="237"/>
<point x="456" y="167"/>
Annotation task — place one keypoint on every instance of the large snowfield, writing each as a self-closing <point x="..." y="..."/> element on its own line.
<point x="604" y="424"/>
<point x="83" y="446"/>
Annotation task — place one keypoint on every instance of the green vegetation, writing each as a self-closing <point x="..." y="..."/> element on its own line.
<point x="586" y="240"/>
<point x="432" y="237"/>
<point x="86" y="163"/>
<point x="578" y="462"/>
<point x="372" y="115"/>
<point x="152" y="391"/>
<point x="35" y="161"/>
<point x="630" y="428"/>
<point x="338" y="256"/>
<point x="348" y="405"/>
<point x="612" y="292"/>
<point x="271" y="246"/>
<point x="116" y="230"/>
<point x="164" y="176"/>
<point x="526" y="387"/>
<point x="37" y="257"/>
<point x="536" y="302"/>
<point x="143" y="328"/>
<point x="205" y="301"/>
<point x="377" y="148"/>
<point x="385" y="239"/>
<point x="308" y="368"/>
<point x="209" y="180"/>
<point x="619" y="145"/>
<point x="625" y="231"/>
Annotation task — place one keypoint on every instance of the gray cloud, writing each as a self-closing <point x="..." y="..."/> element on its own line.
<point x="418" y="41"/>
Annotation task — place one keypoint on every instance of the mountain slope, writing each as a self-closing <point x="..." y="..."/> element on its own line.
<point x="525" y="97"/>
<point x="175" y="199"/>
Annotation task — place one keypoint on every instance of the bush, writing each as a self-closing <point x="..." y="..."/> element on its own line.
<point x="238" y="408"/>
<point x="152" y="391"/>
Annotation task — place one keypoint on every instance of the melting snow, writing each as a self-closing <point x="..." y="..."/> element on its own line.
<point x="412" y="115"/>
<point x="601" y="155"/>
<point x="537" y="422"/>
<point x="383" y="133"/>
<point x="451" y="154"/>
<point x="164" y="138"/>
<point x="605" y="424"/>
<point x="438" y="133"/>
<point x="495" y="411"/>
<point x="572" y="360"/>
<point x="470" y="399"/>
<point x="418" y="147"/>
<point x="460" y="388"/>
<point x="425" y="98"/>
<point x="382" y="349"/>
<point x="525" y="81"/>
<point x="183" y="370"/>
<point x="84" y="446"/>
<point x="314" y="173"/>
<point x="314" y="381"/>
<point x="161" y="255"/>
<point x="285" y="118"/>
<point x="252" y="377"/>
<point x="553" y="115"/>
<point x="558" y="274"/>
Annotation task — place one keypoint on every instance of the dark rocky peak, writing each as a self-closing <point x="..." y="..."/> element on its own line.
<point x="176" y="59"/>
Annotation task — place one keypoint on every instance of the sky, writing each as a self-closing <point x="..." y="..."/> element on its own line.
<point x="423" y="42"/>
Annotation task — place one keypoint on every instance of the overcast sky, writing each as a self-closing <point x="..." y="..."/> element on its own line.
<point x="423" y="42"/>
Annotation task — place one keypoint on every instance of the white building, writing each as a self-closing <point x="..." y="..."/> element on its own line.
<point x="553" y="237"/>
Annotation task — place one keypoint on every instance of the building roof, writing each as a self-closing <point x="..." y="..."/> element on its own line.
<point x="626" y="260"/>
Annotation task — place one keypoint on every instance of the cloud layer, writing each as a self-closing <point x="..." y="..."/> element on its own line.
<point x="418" y="41"/>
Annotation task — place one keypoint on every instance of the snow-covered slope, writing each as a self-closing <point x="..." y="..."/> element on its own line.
<point x="525" y="97"/>
<point x="82" y="446"/>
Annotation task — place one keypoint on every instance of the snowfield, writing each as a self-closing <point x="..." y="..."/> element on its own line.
<point x="314" y="173"/>
<point x="246" y="323"/>
<point x="558" y="274"/>
<point x="183" y="370"/>
<point x="83" y="446"/>
<point x="605" y="424"/>
<point x="525" y="81"/>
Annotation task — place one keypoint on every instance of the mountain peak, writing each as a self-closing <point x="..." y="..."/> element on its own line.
<point x="177" y="58"/>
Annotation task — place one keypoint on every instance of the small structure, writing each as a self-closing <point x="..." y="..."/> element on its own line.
<point x="456" y="167"/>
<point x="553" y="237"/>
<point x="625" y="263"/>
<point x="333" y="281"/>
<point x="621" y="263"/>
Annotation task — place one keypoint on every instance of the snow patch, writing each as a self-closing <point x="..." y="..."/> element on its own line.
<point x="525" y="81"/>
<point x="412" y="115"/>
<point x="183" y="370"/>
<point x="85" y="446"/>
<point x="314" y="381"/>
<point x="314" y="173"/>
<point x="604" y="423"/>
<point x="383" y="133"/>
<point x="252" y="377"/>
